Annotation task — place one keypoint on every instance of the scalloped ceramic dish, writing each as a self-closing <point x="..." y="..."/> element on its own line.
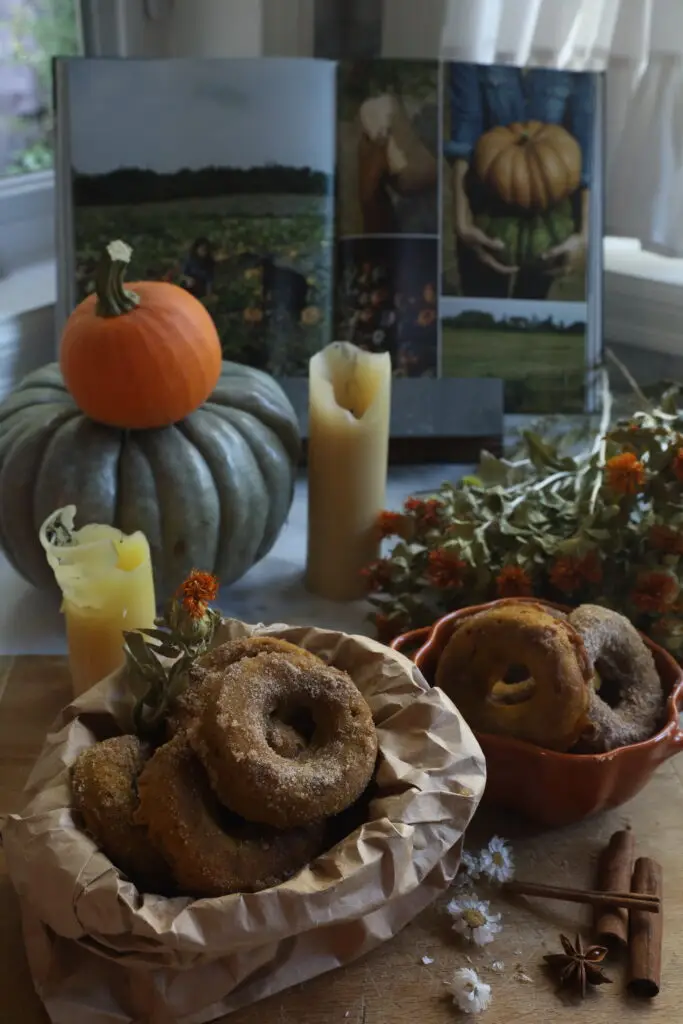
<point x="551" y="788"/>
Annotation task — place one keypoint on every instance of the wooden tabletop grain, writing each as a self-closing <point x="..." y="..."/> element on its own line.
<point x="393" y="985"/>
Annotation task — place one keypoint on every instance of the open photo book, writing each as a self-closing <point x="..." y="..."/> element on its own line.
<point x="449" y="214"/>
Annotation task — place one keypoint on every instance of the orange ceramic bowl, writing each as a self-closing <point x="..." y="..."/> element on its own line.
<point x="550" y="788"/>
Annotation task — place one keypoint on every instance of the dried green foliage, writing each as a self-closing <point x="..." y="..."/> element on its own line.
<point x="159" y="660"/>
<point x="604" y="526"/>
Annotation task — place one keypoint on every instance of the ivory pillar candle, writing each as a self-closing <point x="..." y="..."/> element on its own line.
<point x="106" y="581"/>
<point x="348" y="450"/>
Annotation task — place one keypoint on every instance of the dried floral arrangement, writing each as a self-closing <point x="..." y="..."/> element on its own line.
<point x="604" y="526"/>
<point x="161" y="658"/>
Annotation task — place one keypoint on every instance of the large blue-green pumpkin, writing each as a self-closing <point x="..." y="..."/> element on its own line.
<point x="211" y="492"/>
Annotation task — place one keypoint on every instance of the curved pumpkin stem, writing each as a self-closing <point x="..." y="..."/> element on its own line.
<point x="113" y="298"/>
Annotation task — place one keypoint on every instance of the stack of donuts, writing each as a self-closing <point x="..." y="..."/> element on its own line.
<point x="265" y="747"/>
<point x="583" y="682"/>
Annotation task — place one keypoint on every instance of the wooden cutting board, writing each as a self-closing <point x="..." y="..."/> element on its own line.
<point x="393" y="985"/>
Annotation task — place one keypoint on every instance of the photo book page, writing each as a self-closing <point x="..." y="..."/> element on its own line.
<point x="446" y="213"/>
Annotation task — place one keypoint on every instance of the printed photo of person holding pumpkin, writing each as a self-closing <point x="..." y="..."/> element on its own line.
<point x="519" y="143"/>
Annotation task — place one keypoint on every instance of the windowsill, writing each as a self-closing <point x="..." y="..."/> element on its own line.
<point x="23" y="291"/>
<point x="643" y="298"/>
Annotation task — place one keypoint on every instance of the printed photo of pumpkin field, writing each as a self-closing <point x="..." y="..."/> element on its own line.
<point x="519" y="151"/>
<point x="219" y="175"/>
<point x="387" y="300"/>
<point x="387" y="147"/>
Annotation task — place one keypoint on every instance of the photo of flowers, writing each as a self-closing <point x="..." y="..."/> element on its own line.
<point x="387" y="300"/>
<point x="519" y="145"/>
<point x="387" y="147"/>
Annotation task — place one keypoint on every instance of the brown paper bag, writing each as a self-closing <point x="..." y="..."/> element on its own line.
<point x="102" y="953"/>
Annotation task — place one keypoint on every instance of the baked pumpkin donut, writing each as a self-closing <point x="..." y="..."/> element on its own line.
<point x="103" y="784"/>
<point x="629" y="680"/>
<point x="188" y="706"/>
<point x="515" y="669"/>
<point x="255" y="781"/>
<point x="211" y="852"/>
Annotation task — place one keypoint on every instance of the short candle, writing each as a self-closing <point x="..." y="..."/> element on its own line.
<point x="107" y="585"/>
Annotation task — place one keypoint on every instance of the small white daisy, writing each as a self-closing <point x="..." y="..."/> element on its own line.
<point x="470" y="866"/>
<point x="470" y="994"/>
<point x="472" y="918"/>
<point x="496" y="861"/>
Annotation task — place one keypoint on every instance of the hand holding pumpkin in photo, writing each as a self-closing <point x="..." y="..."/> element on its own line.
<point x="469" y="234"/>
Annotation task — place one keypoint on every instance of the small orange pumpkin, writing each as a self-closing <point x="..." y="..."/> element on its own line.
<point x="532" y="165"/>
<point x="138" y="356"/>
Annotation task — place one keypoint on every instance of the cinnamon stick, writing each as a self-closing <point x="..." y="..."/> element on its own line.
<point x="628" y="900"/>
<point x="646" y="933"/>
<point x="615" y="868"/>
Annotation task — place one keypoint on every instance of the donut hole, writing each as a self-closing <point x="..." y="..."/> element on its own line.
<point x="515" y="686"/>
<point x="607" y="686"/>
<point x="289" y="731"/>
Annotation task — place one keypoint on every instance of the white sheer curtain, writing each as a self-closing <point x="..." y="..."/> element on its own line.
<point x="640" y="45"/>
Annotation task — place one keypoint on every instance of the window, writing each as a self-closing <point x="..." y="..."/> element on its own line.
<point x="32" y="32"/>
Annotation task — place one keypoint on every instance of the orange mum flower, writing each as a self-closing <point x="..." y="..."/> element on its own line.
<point x="625" y="473"/>
<point x="445" y="569"/>
<point x="513" y="581"/>
<point x="666" y="539"/>
<point x="570" y="573"/>
<point x="427" y="512"/>
<point x="677" y="465"/>
<point x="377" y="574"/>
<point x="389" y="524"/>
<point x="196" y="591"/>
<point x="654" y="592"/>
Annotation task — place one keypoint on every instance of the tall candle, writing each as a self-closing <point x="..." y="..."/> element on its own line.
<point x="106" y="581"/>
<point x="348" y="451"/>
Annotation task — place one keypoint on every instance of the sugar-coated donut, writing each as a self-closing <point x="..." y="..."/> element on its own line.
<point x="103" y="784"/>
<point x="627" y="670"/>
<point x="255" y="781"/>
<point x="211" y="852"/>
<point x="515" y="669"/>
<point x="188" y="706"/>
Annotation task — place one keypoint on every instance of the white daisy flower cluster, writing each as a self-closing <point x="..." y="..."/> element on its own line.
<point x="494" y="863"/>
<point x="473" y="919"/>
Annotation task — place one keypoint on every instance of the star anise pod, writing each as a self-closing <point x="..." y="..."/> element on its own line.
<point x="579" y="966"/>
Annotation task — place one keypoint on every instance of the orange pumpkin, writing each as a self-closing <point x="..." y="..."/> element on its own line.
<point x="138" y="356"/>
<point x="532" y="165"/>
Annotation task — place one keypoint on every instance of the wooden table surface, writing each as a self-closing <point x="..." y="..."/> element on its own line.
<point x="393" y="985"/>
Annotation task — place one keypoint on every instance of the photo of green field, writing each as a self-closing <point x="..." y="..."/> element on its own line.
<point x="541" y="360"/>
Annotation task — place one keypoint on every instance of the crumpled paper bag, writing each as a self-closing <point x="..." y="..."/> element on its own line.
<point x="102" y="953"/>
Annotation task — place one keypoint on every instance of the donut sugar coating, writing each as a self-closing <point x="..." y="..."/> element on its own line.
<point x="515" y="669"/>
<point x="188" y="706"/>
<point x="254" y="780"/>
<point x="212" y="852"/>
<point x="626" y="667"/>
<point x="103" y="784"/>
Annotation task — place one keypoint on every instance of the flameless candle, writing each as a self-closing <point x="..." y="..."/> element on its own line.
<point x="107" y="585"/>
<point x="348" y="451"/>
